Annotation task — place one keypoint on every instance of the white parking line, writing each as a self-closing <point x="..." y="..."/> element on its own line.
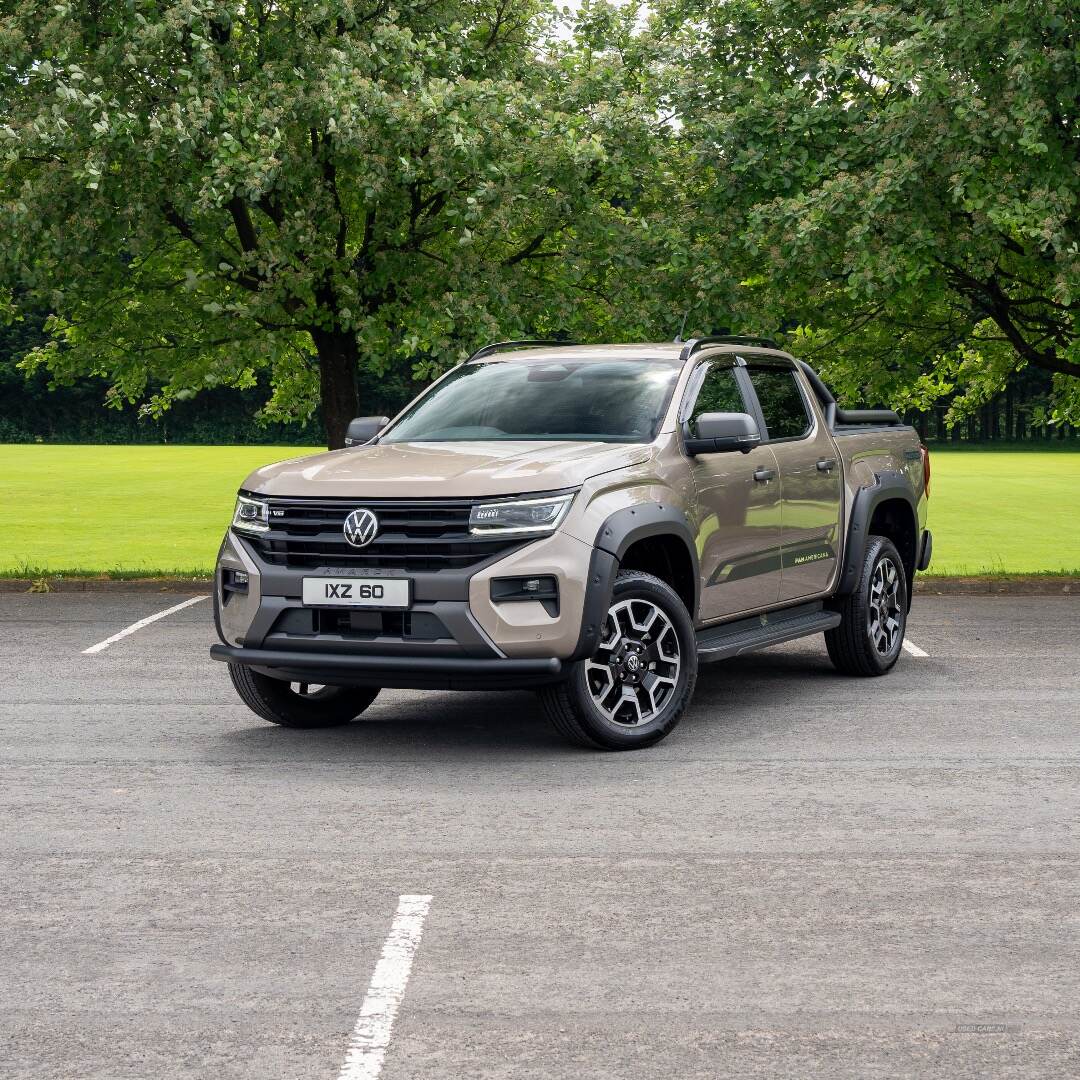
<point x="140" y="624"/>
<point x="371" y="1036"/>
<point x="914" y="649"/>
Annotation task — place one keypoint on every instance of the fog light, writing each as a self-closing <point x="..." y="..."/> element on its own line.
<point x="234" y="581"/>
<point x="544" y="589"/>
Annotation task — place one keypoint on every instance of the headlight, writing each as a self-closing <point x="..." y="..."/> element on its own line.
<point x="522" y="517"/>
<point x="251" y="515"/>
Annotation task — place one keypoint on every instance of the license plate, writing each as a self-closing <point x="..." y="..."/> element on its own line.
<point x="356" y="592"/>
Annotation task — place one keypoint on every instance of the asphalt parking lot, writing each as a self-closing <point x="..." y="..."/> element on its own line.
<point x="813" y="877"/>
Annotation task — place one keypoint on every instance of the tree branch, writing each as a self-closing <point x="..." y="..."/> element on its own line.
<point x="999" y="307"/>
<point x="245" y="227"/>
<point x="529" y="251"/>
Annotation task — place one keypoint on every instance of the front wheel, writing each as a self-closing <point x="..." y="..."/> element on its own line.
<point x="299" y="705"/>
<point x="874" y="617"/>
<point x="632" y="691"/>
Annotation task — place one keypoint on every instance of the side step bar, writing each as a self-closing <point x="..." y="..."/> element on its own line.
<point x="736" y="638"/>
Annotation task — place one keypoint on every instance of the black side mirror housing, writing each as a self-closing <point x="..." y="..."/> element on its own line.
<point x="364" y="428"/>
<point x="721" y="432"/>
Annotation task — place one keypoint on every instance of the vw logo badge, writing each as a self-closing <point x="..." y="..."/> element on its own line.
<point x="361" y="527"/>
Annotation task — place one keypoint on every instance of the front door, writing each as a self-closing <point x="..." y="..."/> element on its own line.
<point x="738" y="501"/>
<point x="811" y="481"/>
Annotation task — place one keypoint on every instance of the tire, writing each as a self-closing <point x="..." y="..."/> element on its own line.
<point x="277" y="701"/>
<point x="863" y="643"/>
<point x="657" y="666"/>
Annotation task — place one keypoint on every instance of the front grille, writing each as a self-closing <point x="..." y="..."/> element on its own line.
<point x="414" y="535"/>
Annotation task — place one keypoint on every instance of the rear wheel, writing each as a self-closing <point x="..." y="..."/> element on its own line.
<point x="874" y="617"/>
<point x="299" y="705"/>
<point x="632" y="691"/>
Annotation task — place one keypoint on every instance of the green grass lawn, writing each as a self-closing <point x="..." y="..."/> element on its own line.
<point x="109" y="509"/>
<point x="1005" y="511"/>
<point x="163" y="509"/>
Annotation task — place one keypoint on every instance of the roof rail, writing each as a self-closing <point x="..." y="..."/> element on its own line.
<point x="503" y="346"/>
<point x="695" y="344"/>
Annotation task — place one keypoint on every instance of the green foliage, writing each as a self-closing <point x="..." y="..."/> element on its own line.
<point x="245" y="195"/>
<point x="901" y="182"/>
<point x="200" y="191"/>
<point x="32" y="410"/>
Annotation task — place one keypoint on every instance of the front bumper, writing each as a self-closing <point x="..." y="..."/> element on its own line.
<point x="399" y="672"/>
<point x="452" y="615"/>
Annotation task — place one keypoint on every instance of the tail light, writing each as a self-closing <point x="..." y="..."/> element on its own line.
<point x="925" y="469"/>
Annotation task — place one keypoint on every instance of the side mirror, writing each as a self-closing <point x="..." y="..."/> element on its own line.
<point x="364" y="428"/>
<point x="718" y="432"/>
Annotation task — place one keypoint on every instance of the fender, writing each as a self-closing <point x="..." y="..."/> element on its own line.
<point x="613" y="540"/>
<point x="889" y="485"/>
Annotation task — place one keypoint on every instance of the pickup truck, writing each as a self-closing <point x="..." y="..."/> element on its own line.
<point x="592" y="521"/>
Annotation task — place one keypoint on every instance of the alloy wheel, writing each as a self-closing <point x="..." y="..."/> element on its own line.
<point x="884" y="615"/>
<point x="635" y="669"/>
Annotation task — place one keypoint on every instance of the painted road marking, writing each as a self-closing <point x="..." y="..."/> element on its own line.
<point x="101" y="645"/>
<point x="371" y="1036"/>
<point x="914" y="649"/>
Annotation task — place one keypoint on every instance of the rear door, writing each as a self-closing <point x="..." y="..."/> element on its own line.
<point x="738" y="502"/>
<point x="811" y="479"/>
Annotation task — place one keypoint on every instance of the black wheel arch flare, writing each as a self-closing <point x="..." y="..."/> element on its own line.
<point x="613" y="539"/>
<point x="889" y="487"/>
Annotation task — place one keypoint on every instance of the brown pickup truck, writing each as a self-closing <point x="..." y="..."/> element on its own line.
<point x="593" y="521"/>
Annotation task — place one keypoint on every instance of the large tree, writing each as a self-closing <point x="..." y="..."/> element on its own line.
<point x="197" y="189"/>
<point x="903" y="180"/>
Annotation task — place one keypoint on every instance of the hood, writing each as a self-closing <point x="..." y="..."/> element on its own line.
<point x="453" y="470"/>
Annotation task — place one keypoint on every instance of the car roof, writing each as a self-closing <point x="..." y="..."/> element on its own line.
<point x="662" y="350"/>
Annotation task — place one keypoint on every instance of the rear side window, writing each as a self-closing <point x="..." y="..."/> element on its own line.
<point x="719" y="393"/>
<point x="781" y="402"/>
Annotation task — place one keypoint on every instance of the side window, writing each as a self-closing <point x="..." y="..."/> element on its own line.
<point x="719" y="393"/>
<point x="781" y="402"/>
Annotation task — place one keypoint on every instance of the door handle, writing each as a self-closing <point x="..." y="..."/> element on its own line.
<point x="763" y="476"/>
<point x="826" y="464"/>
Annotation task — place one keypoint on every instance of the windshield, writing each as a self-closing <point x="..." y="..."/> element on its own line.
<point x="522" y="399"/>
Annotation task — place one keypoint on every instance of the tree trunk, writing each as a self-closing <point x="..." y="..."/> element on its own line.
<point x="338" y="360"/>
<point x="1010" y="413"/>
